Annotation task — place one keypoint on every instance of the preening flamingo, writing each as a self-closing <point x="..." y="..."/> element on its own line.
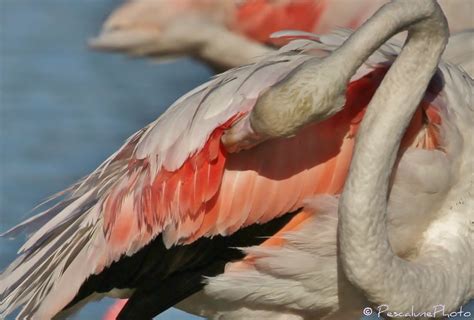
<point x="228" y="34"/>
<point x="177" y="203"/>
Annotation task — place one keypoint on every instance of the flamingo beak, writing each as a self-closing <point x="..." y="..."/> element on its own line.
<point x="131" y="41"/>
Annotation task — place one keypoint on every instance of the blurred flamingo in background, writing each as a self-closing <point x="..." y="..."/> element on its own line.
<point x="227" y="34"/>
<point x="213" y="173"/>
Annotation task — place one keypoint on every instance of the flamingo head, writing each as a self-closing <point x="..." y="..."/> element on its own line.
<point x="160" y="28"/>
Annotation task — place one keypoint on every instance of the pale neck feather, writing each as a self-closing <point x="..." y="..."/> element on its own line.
<point x="366" y="255"/>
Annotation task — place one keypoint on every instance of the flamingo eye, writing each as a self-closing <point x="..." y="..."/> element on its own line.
<point x="116" y="27"/>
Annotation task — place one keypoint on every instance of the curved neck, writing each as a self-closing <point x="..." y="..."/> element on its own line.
<point x="365" y="253"/>
<point x="322" y="83"/>
<point x="423" y="19"/>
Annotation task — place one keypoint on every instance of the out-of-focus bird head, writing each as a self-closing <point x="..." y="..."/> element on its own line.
<point x="161" y="27"/>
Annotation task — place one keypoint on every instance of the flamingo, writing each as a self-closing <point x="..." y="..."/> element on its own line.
<point x="226" y="34"/>
<point x="257" y="20"/>
<point x="143" y="222"/>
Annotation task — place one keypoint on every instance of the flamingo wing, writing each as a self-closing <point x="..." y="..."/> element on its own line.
<point x="162" y="177"/>
<point x="261" y="183"/>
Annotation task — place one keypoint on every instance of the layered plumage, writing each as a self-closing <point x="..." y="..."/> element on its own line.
<point x="371" y="261"/>
<point x="174" y="179"/>
<point x="297" y="276"/>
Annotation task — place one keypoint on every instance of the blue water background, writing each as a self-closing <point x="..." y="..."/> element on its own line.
<point x="64" y="109"/>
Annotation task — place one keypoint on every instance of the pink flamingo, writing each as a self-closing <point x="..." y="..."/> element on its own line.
<point x="228" y="34"/>
<point x="213" y="173"/>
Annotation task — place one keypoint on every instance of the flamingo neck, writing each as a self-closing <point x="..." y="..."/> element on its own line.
<point x="365" y="252"/>
<point x="224" y="49"/>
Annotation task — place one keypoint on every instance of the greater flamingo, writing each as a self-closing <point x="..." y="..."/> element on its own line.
<point x="227" y="34"/>
<point x="176" y="192"/>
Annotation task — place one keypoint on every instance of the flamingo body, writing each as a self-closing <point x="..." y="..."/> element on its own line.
<point x="173" y="184"/>
<point x="306" y="261"/>
<point x="258" y="12"/>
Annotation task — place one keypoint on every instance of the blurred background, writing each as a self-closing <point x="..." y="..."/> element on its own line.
<point x="65" y="108"/>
